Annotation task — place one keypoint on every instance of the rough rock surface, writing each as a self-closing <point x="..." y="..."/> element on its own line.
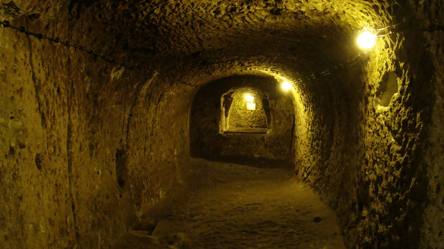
<point x="35" y="198"/>
<point x="239" y="206"/>
<point x="87" y="147"/>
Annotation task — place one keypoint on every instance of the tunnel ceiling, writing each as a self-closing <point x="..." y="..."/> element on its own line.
<point x="201" y="41"/>
<point x="305" y="36"/>
<point x="90" y="146"/>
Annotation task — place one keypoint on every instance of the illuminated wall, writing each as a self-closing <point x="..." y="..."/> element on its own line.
<point x="87" y="145"/>
<point x="244" y="110"/>
<point x="249" y="139"/>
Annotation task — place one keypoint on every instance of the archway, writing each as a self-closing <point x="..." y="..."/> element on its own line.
<point x="242" y="118"/>
<point x="244" y="110"/>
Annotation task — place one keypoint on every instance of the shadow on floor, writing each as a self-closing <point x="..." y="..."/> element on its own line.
<point x="258" y="162"/>
<point x="227" y="205"/>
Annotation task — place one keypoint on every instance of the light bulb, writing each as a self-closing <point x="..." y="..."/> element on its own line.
<point x="249" y="98"/>
<point x="367" y="40"/>
<point x="286" y="86"/>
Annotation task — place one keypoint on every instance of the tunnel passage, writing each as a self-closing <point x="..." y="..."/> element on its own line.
<point x="263" y="133"/>
<point x="367" y="134"/>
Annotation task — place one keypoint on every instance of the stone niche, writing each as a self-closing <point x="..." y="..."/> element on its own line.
<point x="224" y="125"/>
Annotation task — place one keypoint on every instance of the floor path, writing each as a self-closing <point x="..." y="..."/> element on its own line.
<point x="236" y="206"/>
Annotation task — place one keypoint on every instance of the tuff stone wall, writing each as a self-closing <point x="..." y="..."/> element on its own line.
<point x="99" y="170"/>
<point x="372" y="149"/>
<point x="128" y="136"/>
<point x="122" y="159"/>
<point x="87" y="146"/>
<point x="431" y="13"/>
<point x="35" y="197"/>
<point x="327" y="141"/>
<point x="208" y="142"/>
<point x="392" y="172"/>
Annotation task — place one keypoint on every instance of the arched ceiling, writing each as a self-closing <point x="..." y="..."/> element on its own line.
<point x="229" y="36"/>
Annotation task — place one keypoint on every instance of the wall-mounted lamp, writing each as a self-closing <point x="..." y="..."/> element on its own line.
<point x="249" y="98"/>
<point x="367" y="39"/>
<point x="251" y="106"/>
<point x="286" y="86"/>
<point x="250" y="102"/>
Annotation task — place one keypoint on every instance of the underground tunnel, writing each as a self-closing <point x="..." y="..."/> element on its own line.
<point x="221" y="124"/>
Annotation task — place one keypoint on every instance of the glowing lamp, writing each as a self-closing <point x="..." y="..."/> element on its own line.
<point x="367" y="40"/>
<point x="251" y="106"/>
<point x="249" y="98"/>
<point x="286" y="86"/>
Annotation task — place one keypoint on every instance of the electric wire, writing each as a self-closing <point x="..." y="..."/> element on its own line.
<point x="399" y="23"/>
<point x="41" y="36"/>
<point x="358" y="59"/>
<point x="391" y="28"/>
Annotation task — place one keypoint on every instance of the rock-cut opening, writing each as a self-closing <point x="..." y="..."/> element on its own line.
<point x="244" y="110"/>
<point x="222" y="126"/>
<point x="102" y="104"/>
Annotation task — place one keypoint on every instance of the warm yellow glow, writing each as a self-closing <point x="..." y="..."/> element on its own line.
<point x="286" y="86"/>
<point x="251" y="106"/>
<point x="249" y="98"/>
<point x="367" y="40"/>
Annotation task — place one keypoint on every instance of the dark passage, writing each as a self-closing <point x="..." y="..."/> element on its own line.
<point x="222" y="124"/>
<point x="223" y="128"/>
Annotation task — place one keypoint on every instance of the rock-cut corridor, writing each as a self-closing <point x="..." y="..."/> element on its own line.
<point x="222" y="124"/>
<point x="237" y="206"/>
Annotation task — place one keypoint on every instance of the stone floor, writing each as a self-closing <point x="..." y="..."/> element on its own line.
<point x="224" y="205"/>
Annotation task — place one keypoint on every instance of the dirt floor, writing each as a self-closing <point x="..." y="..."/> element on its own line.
<point x="222" y="205"/>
